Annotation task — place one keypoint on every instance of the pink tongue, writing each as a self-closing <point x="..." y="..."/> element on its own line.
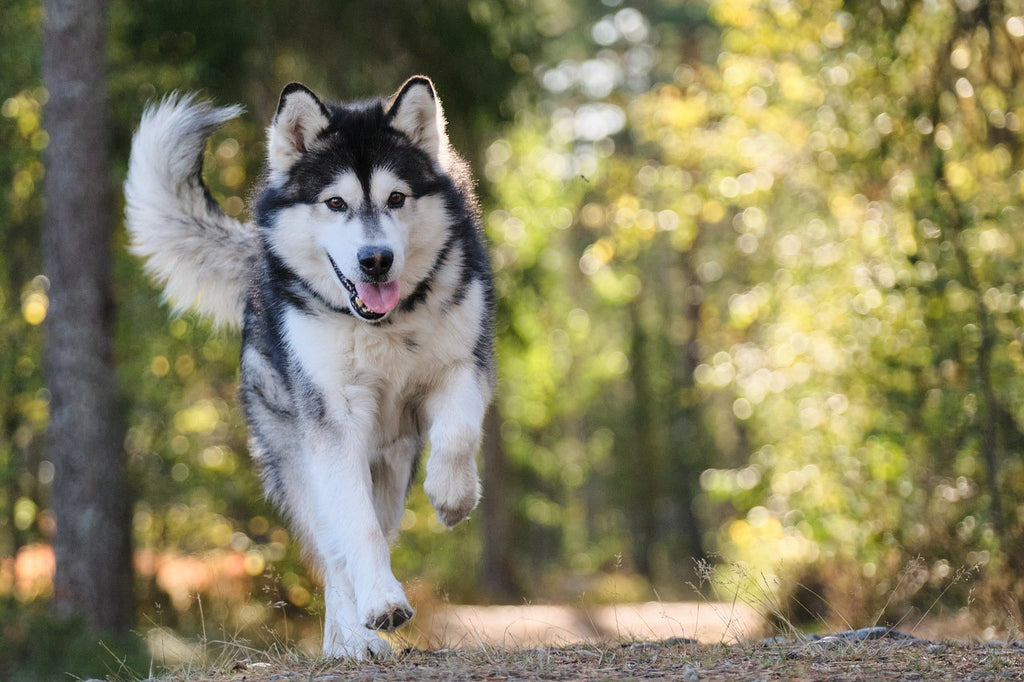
<point x="380" y="298"/>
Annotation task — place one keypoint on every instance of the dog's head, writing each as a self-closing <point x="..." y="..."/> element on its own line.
<point x="354" y="201"/>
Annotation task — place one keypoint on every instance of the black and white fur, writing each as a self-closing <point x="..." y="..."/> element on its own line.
<point x="364" y="293"/>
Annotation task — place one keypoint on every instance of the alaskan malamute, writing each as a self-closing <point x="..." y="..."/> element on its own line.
<point x="363" y="289"/>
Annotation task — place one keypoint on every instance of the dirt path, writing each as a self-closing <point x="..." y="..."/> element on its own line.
<point x="528" y="626"/>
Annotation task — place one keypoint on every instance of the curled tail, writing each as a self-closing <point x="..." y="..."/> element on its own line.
<point x="201" y="256"/>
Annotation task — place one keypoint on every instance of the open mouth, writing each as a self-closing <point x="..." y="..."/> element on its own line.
<point x="370" y="301"/>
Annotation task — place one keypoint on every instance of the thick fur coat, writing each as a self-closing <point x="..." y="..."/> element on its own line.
<point x="364" y="294"/>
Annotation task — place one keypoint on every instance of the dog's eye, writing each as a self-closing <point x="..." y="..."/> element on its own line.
<point x="396" y="200"/>
<point x="336" y="204"/>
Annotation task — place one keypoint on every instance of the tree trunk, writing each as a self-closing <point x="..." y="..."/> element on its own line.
<point x="645" y="461"/>
<point x="84" y="439"/>
<point x="687" y="430"/>
<point x="496" y="509"/>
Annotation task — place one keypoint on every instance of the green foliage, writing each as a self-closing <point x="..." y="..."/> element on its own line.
<point x="884" y="297"/>
<point x="23" y="403"/>
<point x="818" y="226"/>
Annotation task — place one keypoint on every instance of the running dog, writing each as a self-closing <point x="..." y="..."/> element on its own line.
<point x="363" y="290"/>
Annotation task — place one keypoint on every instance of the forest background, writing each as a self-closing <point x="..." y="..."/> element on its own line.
<point x="760" y="305"/>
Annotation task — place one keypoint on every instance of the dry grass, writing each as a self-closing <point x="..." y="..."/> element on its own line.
<point x="680" y="660"/>
<point x="490" y="646"/>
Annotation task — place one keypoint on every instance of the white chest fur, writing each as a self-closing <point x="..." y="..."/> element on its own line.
<point x="388" y="365"/>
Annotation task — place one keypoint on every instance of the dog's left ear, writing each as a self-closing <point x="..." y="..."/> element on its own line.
<point x="300" y="118"/>
<point x="416" y="112"/>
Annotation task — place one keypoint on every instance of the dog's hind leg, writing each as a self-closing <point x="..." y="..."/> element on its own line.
<point x="392" y="476"/>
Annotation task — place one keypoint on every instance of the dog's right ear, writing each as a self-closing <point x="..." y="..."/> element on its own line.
<point x="300" y="118"/>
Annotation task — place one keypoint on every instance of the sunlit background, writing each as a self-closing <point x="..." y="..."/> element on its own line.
<point x="760" y="303"/>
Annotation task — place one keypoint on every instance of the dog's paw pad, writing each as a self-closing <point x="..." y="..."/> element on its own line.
<point x="390" y="620"/>
<point x="453" y="498"/>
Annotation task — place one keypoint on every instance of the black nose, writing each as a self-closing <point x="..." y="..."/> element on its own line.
<point x="375" y="261"/>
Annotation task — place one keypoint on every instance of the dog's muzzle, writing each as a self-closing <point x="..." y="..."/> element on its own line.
<point x="370" y="301"/>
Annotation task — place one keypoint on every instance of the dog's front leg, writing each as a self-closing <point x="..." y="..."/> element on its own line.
<point x="363" y="595"/>
<point x="345" y="635"/>
<point x="455" y="414"/>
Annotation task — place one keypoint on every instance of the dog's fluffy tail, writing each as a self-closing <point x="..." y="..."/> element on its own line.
<point x="201" y="256"/>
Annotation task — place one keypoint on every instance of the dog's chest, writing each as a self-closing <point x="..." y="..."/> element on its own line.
<point x="348" y="361"/>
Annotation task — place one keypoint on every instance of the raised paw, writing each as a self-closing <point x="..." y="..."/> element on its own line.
<point x="451" y="516"/>
<point x="390" y="620"/>
<point x="453" y="493"/>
